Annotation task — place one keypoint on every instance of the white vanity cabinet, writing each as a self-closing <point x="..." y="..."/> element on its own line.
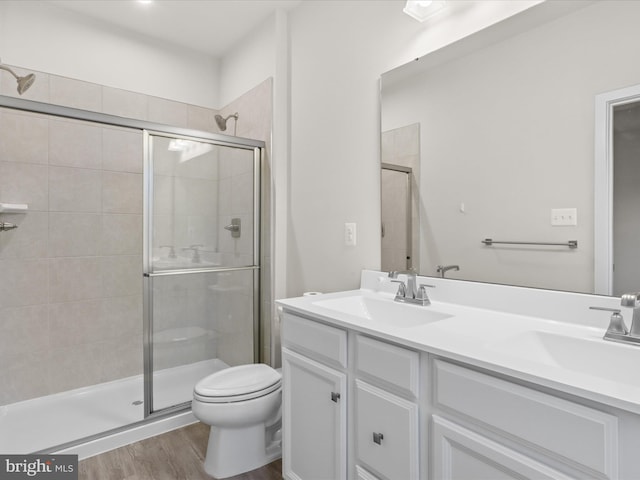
<point x="487" y="427"/>
<point x="357" y="406"/>
<point x="377" y="389"/>
<point x="314" y="400"/>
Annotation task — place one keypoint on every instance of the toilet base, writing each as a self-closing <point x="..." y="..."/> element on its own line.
<point x="232" y="451"/>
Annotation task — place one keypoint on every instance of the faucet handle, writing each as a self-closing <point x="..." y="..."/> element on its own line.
<point x="402" y="288"/>
<point x="616" y="324"/>
<point x="422" y="294"/>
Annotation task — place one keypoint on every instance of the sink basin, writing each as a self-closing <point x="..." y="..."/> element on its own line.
<point x="383" y="311"/>
<point x="589" y="356"/>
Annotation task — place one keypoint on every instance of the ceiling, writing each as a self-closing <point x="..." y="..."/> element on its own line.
<point x="206" y="26"/>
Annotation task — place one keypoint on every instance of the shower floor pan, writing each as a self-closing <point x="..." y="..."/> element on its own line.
<point x="40" y="424"/>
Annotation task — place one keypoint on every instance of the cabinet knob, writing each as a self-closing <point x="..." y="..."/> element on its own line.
<point x="335" y="396"/>
<point x="377" y="438"/>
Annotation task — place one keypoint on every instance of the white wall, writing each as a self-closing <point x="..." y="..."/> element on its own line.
<point x="338" y="51"/>
<point x="40" y="36"/>
<point x="249" y="63"/>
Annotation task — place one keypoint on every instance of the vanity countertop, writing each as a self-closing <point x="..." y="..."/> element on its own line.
<point x="567" y="356"/>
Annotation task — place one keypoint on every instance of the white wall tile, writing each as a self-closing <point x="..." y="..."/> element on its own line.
<point x="23" y="376"/>
<point x="73" y="367"/>
<point x="74" y="190"/>
<point x="75" y="144"/>
<point x="24" y="183"/>
<point x="75" y="323"/>
<point x="167" y="112"/>
<point x="72" y="279"/>
<point x="120" y="234"/>
<point x="124" y="103"/>
<point x="75" y="93"/>
<point x="121" y="150"/>
<point x="74" y="234"/>
<point x="121" y="275"/>
<point x="199" y="118"/>
<point x="121" y="316"/>
<point x="29" y="240"/>
<point x="23" y="282"/>
<point x="23" y="329"/>
<point x="25" y="137"/>
<point x="121" y="192"/>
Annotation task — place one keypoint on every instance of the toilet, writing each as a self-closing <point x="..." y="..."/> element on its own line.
<point x="243" y="407"/>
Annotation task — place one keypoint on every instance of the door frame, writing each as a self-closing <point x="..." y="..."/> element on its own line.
<point x="603" y="184"/>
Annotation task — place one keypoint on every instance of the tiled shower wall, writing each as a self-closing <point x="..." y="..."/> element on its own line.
<point x="70" y="275"/>
<point x="70" y="283"/>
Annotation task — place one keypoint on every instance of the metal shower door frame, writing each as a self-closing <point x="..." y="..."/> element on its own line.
<point x="148" y="273"/>
<point x="409" y="221"/>
<point x="22" y="104"/>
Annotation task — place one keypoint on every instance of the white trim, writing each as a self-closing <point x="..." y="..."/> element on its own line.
<point x="130" y="435"/>
<point x="603" y="184"/>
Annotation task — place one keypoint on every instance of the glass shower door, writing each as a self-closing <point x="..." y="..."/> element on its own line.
<point x="201" y="263"/>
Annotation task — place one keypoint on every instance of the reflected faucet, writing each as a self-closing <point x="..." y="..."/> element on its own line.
<point x="196" y="252"/>
<point x="442" y="269"/>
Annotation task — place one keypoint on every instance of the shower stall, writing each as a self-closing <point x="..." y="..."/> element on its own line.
<point x="133" y="272"/>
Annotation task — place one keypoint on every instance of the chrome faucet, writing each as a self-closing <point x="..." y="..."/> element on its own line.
<point x="617" y="330"/>
<point x="632" y="300"/>
<point x="410" y="292"/>
<point x="442" y="269"/>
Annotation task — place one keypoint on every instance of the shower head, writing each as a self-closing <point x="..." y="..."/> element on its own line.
<point x="222" y="121"/>
<point x="23" y="82"/>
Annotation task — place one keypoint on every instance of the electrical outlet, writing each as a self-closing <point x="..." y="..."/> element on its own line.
<point x="562" y="217"/>
<point x="350" y="234"/>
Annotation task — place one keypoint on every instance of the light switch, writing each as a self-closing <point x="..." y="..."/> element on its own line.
<point x="350" y="234"/>
<point x="562" y="217"/>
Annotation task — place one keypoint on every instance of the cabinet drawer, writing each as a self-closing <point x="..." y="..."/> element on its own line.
<point x="328" y="344"/>
<point x="386" y="433"/>
<point x="554" y="426"/>
<point x="461" y="453"/>
<point x="389" y="363"/>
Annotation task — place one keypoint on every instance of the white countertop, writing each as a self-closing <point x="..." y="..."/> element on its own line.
<point x="562" y="355"/>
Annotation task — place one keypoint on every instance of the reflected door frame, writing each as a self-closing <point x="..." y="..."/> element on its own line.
<point x="408" y="222"/>
<point x="603" y="184"/>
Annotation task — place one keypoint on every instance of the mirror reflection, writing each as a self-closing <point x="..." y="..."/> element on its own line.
<point x="506" y="146"/>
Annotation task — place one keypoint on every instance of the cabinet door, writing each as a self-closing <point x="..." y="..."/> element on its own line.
<point x="386" y="433"/>
<point x="460" y="454"/>
<point x="314" y="420"/>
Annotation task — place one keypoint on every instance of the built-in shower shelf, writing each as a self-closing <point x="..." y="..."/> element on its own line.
<point x="13" y="207"/>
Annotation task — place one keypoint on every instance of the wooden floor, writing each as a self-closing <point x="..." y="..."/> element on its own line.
<point x="176" y="455"/>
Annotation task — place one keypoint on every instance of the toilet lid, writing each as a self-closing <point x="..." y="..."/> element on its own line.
<point x="239" y="380"/>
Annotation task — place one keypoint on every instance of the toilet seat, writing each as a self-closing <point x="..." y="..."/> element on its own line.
<point x="236" y="384"/>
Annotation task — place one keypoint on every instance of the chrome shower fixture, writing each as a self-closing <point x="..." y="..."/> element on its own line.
<point x="23" y="82"/>
<point x="222" y="122"/>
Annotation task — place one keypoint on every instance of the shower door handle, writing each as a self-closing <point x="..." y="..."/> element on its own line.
<point x="235" y="228"/>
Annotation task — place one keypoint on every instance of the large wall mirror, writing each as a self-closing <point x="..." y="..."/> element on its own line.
<point x="506" y="146"/>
